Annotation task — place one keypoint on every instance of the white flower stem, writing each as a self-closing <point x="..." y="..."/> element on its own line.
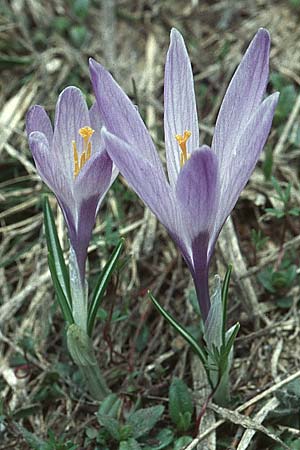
<point x="79" y="293"/>
<point x="81" y="349"/>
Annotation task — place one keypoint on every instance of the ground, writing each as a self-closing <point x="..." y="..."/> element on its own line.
<point x="44" y="47"/>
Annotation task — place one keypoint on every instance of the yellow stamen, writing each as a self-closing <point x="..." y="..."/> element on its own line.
<point x="75" y="156"/>
<point x="182" y="140"/>
<point x="82" y="160"/>
<point x="86" y="133"/>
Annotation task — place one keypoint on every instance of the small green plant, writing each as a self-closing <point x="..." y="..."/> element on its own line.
<point x="283" y="196"/>
<point x="180" y="405"/>
<point x="288" y="95"/>
<point x="275" y="280"/>
<point x="136" y="427"/>
<point x="259" y="241"/>
<point x="52" y="443"/>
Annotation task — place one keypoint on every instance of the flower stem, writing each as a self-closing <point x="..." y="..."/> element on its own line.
<point x="81" y="349"/>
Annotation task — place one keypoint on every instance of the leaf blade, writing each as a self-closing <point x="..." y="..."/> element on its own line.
<point x="101" y="285"/>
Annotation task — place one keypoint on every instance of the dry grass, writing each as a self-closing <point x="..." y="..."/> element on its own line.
<point x="37" y="60"/>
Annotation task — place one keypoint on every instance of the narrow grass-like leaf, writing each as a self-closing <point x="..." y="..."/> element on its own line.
<point x="63" y="302"/>
<point x="55" y="251"/>
<point x="101" y="285"/>
<point x="225" y="288"/>
<point x="226" y="349"/>
<point x="182" y="331"/>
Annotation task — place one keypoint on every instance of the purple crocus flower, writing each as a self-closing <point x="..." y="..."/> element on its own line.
<point x="204" y="183"/>
<point x="72" y="161"/>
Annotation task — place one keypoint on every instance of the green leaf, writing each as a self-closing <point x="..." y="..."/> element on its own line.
<point x="182" y="442"/>
<point x="164" y="438"/>
<point x="101" y="285"/>
<point x="55" y="251"/>
<point x="143" y="420"/>
<point x="81" y="8"/>
<point x="32" y="440"/>
<point x="180" y="404"/>
<point x="182" y="331"/>
<point x="111" y="425"/>
<point x="63" y="302"/>
<point x="110" y="406"/>
<point x="130" y="444"/>
<point x="225" y="351"/>
<point x="225" y="289"/>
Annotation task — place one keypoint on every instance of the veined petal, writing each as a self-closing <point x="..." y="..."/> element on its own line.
<point x="38" y="120"/>
<point x="94" y="178"/>
<point x="52" y="175"/>
<point x="96" y="124"/>
<point x="247" y="151"/>
<point x="49" y="170"/>
<point x="120" y="116"/>
<point x="180" y="111"/>
<point x="244" y="94"/>
<point x="143" y="177"/>
<point x="197" y="191"/>
<point x="71" y="114"/>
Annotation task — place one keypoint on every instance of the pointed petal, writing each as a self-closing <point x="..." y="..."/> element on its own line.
<point x="244" y="94"/>
<point x="197" y="191"/>
<point x="90" y="187"/>
<point x="48" y="168"/>
<point x="245" y="155"/>
<point x="38" y="120"/>
<point x="143" y="177"/>
<point x="200" y="271"/>
<point x="96" y="123"/>
<point x="120" y="116"/>
<point x="179" y="103"/>
<point x="94" y="178"/>
<point x="51" y="174"/>
<point x="71" y="114"/>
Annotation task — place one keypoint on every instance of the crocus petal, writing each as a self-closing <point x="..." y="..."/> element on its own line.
<point x="200" y="271"/>
<point x="94" y="178"/>
<point x="244" y="94"/>
<point x="120" y="116"/>
<point x="96" y="124"/>
<point x="38" y="120"/>
<point x="48" y="169"/>
<point x="143" y="177"/>
<point x="247" y="151"/>
<point x="197" y="191"/>
<point x="180" y="112"/>
<point x="71" y="114"/>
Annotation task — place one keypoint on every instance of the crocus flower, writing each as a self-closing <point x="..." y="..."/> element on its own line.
<point x="203" y="183"/>
<point x="72" y="161"/>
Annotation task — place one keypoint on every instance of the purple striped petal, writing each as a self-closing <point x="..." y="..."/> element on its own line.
<point x="71" y="114"/>
<point x="180" y="113"/>
<point x="94" y="178"/>
<point x="120" y="116"/>
<point x="143" y="177"/>
<point x="96" y="124"/>
<point x="38" y="120"/>
<point x="245" y="155"/>
<point x="49" y="170"/>
<point x="197" y="191"/>
<point x="243" y="96"/>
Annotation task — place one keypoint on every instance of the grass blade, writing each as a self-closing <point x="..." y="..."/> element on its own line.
<point x="225" y="288"/>
<point x="102" y="284"/>
<point x="184" y="333"/>
<point x="63" y="302"/>
<point x="55" y="251"/>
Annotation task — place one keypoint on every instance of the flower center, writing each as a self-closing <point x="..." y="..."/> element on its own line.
<point x="182" y="140"/>
<point x="86" y="133"/>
